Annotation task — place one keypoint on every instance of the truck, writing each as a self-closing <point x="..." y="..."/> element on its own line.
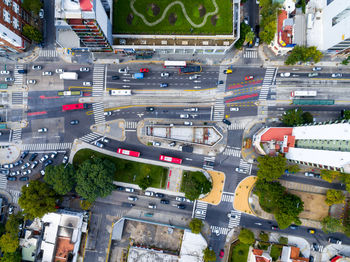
<point x="190" y="70"/>
<point x="137" y="76"/>
<point x="69" y="76"/>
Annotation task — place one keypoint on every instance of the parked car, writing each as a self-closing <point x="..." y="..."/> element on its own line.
<point x="47" y="73"/>
<point x="41" y="13"/>
<point x="120" y="188"/>
<point x="27" y="172"/>
<point x="35" y="163"/>
<point x="144" y="70"/>
<point x="317" y="69"/>
<point x="156" y="143"/>
<point x="19" y="162"/>
<point x="11" y="209"/>
<point x="99" y="144"/>
<point x="181" y="206"/>
<point x="294" y="227"/>
<point x="65" y="159"/>
<point x="42" y="172"/>
<point x="9" y="79"/>
<point x="164" y="74"/>
<point x="15" y="173"/>
<point x="44" y="158"/>
<point x="36" y="67"/>
<point x="53" y="154"/>
<point x="24" y="178"/>
<point x="152" y="206"/>
<point x="48" y="162"/>
<point x="160" y="195"/>
<point x="84" y="69"/>
<point x="26" y="165"/>
<point x="274" y="227"/>
<point x="187" y="123"/>
<point x="74" y="122"/>
<point x="164" y="201"/>
<point x="33" y="156"/>
<point x="42" y="130"/>
<point x="337" y="75"/>
<point x="59" y="71"/>
<point x="115" y="77"/>
<point x="227" y="122"/>
<point x="24" y="154"/>
<point x="222" y="253"/>
<point x="309" y="174"/>
<point x="4" y="72"/>
<point x="163" y="85"/>
<point x="180" y="199"/>
<point x="172" y="144"/>
<point x="8" y="166"/>
<point x="129" y="189"/>
<point x="334" y="240"/>
<point x="5" y="171"/>
<point x="11" y="178"/>
<point x="132" y="198"/>
<point x="105" y="140"/>
<point x="31" y="82"/>
<point x="257" y="41"/>
<point x="149" y="193"/>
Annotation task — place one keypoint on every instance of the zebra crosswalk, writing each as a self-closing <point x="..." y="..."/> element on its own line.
<point x="48" y="53"/>
<point x="227" y="197"/>
<point x="3" y="181"/>
<point x="236" y="125"/>
<point x="15" y="195"/>
<point x="98" y="77"/>
<point x="232" y="152"/>
<point x="219" y="110"/>
<point x="130" y="125"/>
<point x="18" y="77"/>
<point x="17" y="98"/>
<point x="206" y="164"/>
<point x="250" y="54"/>
<point x="219" y="230"/>
<point x="267" y="82"/>
<point x="16" y="135"/>
<point x="235" y="219"/>
<point x="245" y="166"/>
<point x="48" y="146"/>
<point x="98" y="110"/>
<point x="88" y="138"/>
<point x="200" y="210"/>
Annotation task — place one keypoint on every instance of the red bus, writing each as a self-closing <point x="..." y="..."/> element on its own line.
<point x="74" y="106"/>
<point x="128" y="152"/>
<point x="170" y="159"/>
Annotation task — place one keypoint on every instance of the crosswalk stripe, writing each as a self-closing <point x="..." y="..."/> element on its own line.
<point x="18" y="77"/>
<point x="235" y="219"/>
<point x="48" y="53"/>
<point x="219" y="230"/>
<point x="219" y="110"/>
<point x="245" y="166"/>
<point x="98" y="110"/>
<point x="267" y="82"/>
<point x="202" y="207"/>
<point x="98" y="80"/>
<point x="250" y="54"/>
<point x="130" y="124"/>
<point x="15" y="195"/>
<point x="49" y="146"/>
<point x="236" y="125"/>
<point x="3" y="181"/>
<point x="227" y="198"/>
<point x="232" y="152"/>
<point x="17" y="98"/>
<point x="16" y="135"/>
<point x="90" y="137"/>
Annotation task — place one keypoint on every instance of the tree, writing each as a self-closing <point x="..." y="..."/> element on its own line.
<point x="334" y="197"/>
<point x="269" y="194"/>
<point x="145" y="182"/>
<point x="209" y="255"/>
<point x="271" y="168"/>
<point x="85" y="205"/>
<point x="346" y="114"/>
<point x="13" y="222"/>
<point x="95" y="178"/>
<point x="32" y="5"/>
<point x="293" y="169"/>
<point x="264" y="236"/>
<point x="12" y="257"/>
<point x="61" y="178"/>
<point x="2" y="229"/>
<point x="329" y="175"/>
<point x="307" y="118"/>
<point x="32" y="33"/>
<point x="268" y="24"/>
<point x="9" y="243"/>
<point x="283" y="240"/>
<point x="194" y="184"/>
<point x="246" y="236"/>
<point x="37" y="199"/>
<point x="249" y="37"/>
<point x="288" y="209"/>
<point x="331" y="224"/>
<point x="293" y="117"/>
<point x="244" y="29"/>
<point x="303" y="54"/>
<point x="196" y="225"/>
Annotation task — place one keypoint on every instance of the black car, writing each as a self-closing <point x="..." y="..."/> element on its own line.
<point x="181" y="206"/>
<point x="149" y="109"/>
<point x="24" y="154"/>
<point x="165" y="201"/>
<point x="5" y="171"/>
<point x="120" y="188"/>
<point x="115" y="77"/>
<point x="209" y="163"/>
<point x="225" y="121"/>
<point x="74" y="122"/>
<point x="311" y="259"/>
<point x="11" y="178"/>
<point x="220" y="82"/>
<point x="160" y="195"/>
<point x="24" y="178"/>
<point x="48" y="162"/>
<point x="33" y="156"/>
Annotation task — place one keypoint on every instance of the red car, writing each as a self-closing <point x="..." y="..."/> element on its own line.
<point x="222" y="253"/>
<point x="144" y="70"/>
<point x="249" y="78"/>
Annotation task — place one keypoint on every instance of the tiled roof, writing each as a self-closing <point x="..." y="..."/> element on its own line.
<point x="276" y="133"/>
<point x="86" y="5"/>
<point x="258" y="252"/>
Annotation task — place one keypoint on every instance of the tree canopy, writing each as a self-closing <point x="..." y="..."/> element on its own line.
<point x="293" y="168"/>
<point x="271" y="167"/>
<point x="9" y="242"/>
<point x="304" y="54"/>
<point x="334" y="197"/>
<point x="37" y="199"/>
<point x="331" y="224"/>
<point x="196" y="225"/>
<point x="246" y="236"/>
<point x="194" y="184"/>
<point x="268" y="24"/>
<point x="12" y="257"/>
<point x="209" y="255"/>
<point x="61" y="178"/>
<point x="32" y="5"/>
<point x="296" y="116"/>
<point x="249" y="37"/>
<point x="145" y="182"/>
<point x="95" y="178"/>
<point x="32" y="33"/>
<point x="13" y="222"/>
<point x="244" y="30"/>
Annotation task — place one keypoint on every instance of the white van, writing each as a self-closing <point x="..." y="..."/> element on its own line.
<point x="129" y="189"/>
<point x="286" y="74"/>
<point x="149" y="193"/>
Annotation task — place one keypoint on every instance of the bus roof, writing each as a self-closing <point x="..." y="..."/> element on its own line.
<point x="73" y="106"/>
<point x="174" y="63"/>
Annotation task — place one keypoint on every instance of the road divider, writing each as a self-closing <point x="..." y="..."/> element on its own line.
<point x="242" y="97"/>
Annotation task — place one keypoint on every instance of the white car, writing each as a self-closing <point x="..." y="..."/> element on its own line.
<point x="27" y="172"/>
<point x="41" y="13"/>
<point x="108" y="113"/>
<point x="87" y="84"/>
<point x="42" y="172"/>
<point x="65" y="159"/>
<point x="200" y="212"/>
<point x="4" y="72"/>
<point x="286" y="74"/>
<point x="26" y="165"/>
<point x="164" y="74"/>
<point x="105" y="140"/>
<point x="239" y="170"/>
<point x="197" y="87"/>
<point x="42" y="130"/>
<point x="337" y="75"/>
<point x="234" y="109"/>
<point x="59" y="71"/>
<point x="180" y="199"/>
<point x="31" y="82"/>
<point x="36" y="67"/>
<point x="44" y="158"/>
<point x="156" y="143"/>
<point x="193" y="77"/>
<point x="152" y="206"/>
<point x="47" y="73"/>
<point x="186" y="123"/>
<point x="123" y="70"/>
<point x="84" y="69"/>
<point x="192" y="109"/>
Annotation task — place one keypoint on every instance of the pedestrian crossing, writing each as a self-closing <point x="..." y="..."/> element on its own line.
<point x="98" y="77"/>
<point x="48" y="53"/>
<point x="232" y="152"/>
<point x="245" y="166"/>
<point x="16" y="135"/>
<point x="90" y="137"/>
<point x="17" y="98"/>
<point x="235" y="219"/>
<point x="267" y="82"/>
<point x="15" y="195"/>
<point x="200" y="211"/>
<point x="130" y="125"/>
<point x="219" y="230"/>
<point x="236" y="125"/>
<point x="18" y="77"/>
<point x="227" y="197"/>
<point x="3" y="181"/>
<point x="250" y="54"/>
<point x="48" y="146"/>
<point x="208" y="159"/>
<point x="219" y="110"/>
<point x="98" y="110"/>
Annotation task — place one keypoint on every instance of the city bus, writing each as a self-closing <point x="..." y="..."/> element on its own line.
<point x="74" y="107"/>
<point x="170" y="159"/>
<point x="170" y="64"/>
<point x="69" y="93"/>
<point x="128" y="152"/>
<point x="303" y="93"/>
<point x="120" y="92"/>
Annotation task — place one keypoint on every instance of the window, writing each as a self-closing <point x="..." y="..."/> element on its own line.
<point x="15" y="7"/>
<point x="15" y="23"/>
<point x="342" y="15"/>
<point x="7" y="16"/>
<point x="7" y="2"/>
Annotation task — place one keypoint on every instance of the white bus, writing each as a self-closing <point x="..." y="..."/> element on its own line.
<point x="174" y="64"/>
<point x="303" y="93"/>
<point x="120" y="92"/>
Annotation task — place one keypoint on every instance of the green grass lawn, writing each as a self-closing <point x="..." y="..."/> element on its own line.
<point x="127" y="171"/>
<point x="240" y="253"/>
<point x="153" y="10"/>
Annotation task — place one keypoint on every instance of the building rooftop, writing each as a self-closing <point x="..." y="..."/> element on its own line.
<point x="63" y="248"/>
<point x="340" y="131"/>
<point x="192" y="247"/>
<point x="276" y="133"/>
